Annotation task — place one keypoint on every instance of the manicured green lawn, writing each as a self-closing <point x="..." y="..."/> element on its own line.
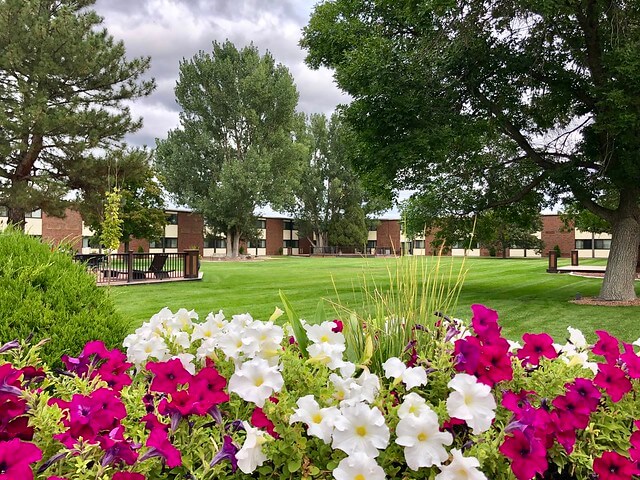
<point x="526" y="297"/>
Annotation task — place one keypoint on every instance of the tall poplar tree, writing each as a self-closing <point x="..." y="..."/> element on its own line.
<point x="235" y="149"/>
<point x="64" y="84"/>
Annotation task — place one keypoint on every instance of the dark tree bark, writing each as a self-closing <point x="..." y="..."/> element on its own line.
<point x="619" y="277"/>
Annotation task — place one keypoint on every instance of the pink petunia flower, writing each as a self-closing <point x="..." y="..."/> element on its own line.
<point x="207" y="390"/>
<point x="631" y="361"/>
<point x="494" y="365"/>
<point x="607" y="346"/>
<point x="528" y="456"/>
<point x="16" y="458"/>
<point x="572" y="411"/>
<point x="128" y="476"/>
<point x="613" y="466"/>
<point x="613" y="380"/>
<point x="260" y="420"/>
<point x="586" y="390"/>
<point x="536" y="345"/>
<point x="168" y="376"/>
<point x="161" y="447"/>
<point x="484" y="321"/>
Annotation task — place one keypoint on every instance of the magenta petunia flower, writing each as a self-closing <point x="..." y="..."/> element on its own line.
<point x="586" y="390"/>
<point x="528" y="456"/>
<point x="536" y="345"/>
<point x="467" y="355"/>
<point x="260" y="420"/>
<point x="612" y="380"/>
<point x="631" y="361"/>
<point x="161" y="447"/>
<point x="339" y="326"/>
<point x="613" y="466"/>
<point x="207" y="390"/>
<point x="494" y="365"/>
<point x="484" y="321"/>
<point x="168" y="375"/>
<point x="16" y="458"/>
<point x="127" y="476"/>
<point x="607" y="346"/>
<point x="572" y="411"/>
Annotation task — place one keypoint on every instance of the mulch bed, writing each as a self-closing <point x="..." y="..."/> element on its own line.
<point x="603" y="303"/>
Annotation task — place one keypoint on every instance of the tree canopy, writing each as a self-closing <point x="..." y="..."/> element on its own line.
<point x="494" y="100"/>
<point x="331" y="204"/>
<point x="234" y="150"/>
<point x="140" y="194"/>
<point x="64" y="87"/>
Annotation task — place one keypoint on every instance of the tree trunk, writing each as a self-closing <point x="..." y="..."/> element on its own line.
<point x="619" y="278"/>
<point x="16" y="218"/>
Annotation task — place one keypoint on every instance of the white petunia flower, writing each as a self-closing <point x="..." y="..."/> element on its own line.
<point x="326" y="354"/>
<point x="181" y="339"/>
<point x="320" y="421"/>
<point x="472" y="402"/>
<point x="574" y="358"/>
<point x="369" y="384"/>
<point x="250" y="456"/>
<point x="206" y="349"/>
<point x="358" y="467"/>
<point x="414" y="405"/>
<point x="637" y="343"/>
<point x="235" y="343"/>
<point x="410" y="376"/>
<point x="255" y="381"/>
<point x="360" y="429"/>
<point x="347" y="391"/>
<point x="461" y="468"/>
<point x="268" y="338"/>
<point x="144" y="348"/>
<point x="187" y="362"/>
<point x="577" y="338"/>
<point x="323" y="333"/>
<point x="423" y="440"/>
<point x="514" y="346"/>
<point x="211" y="328"/>
<point x="182" y="320"/>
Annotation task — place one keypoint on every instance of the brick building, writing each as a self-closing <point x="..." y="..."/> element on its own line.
<point x="278" y="236"/>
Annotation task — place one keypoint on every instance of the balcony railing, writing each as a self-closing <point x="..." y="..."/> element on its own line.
<point x="141" y="267"/>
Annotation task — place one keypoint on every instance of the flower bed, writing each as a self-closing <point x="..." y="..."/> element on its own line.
<point x="249" y="398"/>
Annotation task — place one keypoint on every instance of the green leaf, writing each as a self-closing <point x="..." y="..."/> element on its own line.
<point x="294" y="465"/>
<point x="298" y="330"/>
<point x="320" y="315"/>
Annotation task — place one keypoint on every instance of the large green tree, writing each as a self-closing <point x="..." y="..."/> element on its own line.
<point x="331" y="204"/>
<point x="142" y="209"/>
<point x="234" y="150"/>
<point x="64" y="88"/>
<point x="497" y="98"/>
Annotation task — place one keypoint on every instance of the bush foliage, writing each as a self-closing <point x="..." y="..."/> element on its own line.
<point x="44" y="293"/>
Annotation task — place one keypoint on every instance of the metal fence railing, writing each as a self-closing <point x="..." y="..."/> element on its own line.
<point x="135" y="267"/>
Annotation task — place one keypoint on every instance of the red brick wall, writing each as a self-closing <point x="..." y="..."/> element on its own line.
<point x="136" y="242"/>
<point x="274" y="235"/>
<point x="67" y="229"/>
<point x="554" y="233"/>
<point x="190" y="231"/>
<point x="304" y="246"/>
<point x="388" y="235"/>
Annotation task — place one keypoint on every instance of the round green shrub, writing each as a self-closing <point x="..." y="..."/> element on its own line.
<point x="44" y="293"/>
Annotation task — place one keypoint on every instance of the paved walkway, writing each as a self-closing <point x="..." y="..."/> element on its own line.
<point x="583" y="268"/>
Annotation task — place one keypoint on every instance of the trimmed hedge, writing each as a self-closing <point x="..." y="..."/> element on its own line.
<point x="44" y="293"/>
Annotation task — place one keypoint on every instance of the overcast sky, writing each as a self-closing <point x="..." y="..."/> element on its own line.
<point x="170" y="30"/>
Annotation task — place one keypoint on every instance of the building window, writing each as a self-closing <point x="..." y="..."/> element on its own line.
<point x="289" y="225"/>
<point x="4" y="212"/>
<point x="168" y="243"/>
<point x="215" y="242"/>
<point x="261" y="224"/>
<point x="371" y="244"/>
<point x="418" y="244"/>
<point x="583" y="244"/>
<point x="466" y="244"/>
<point x="34" y="214"/>
<point x="261" y="243"/>
<point x="172" y="219"/>
<point x="290" y="244"/>
<point x="90" y="242"/>
<point x="603" y="244"/>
